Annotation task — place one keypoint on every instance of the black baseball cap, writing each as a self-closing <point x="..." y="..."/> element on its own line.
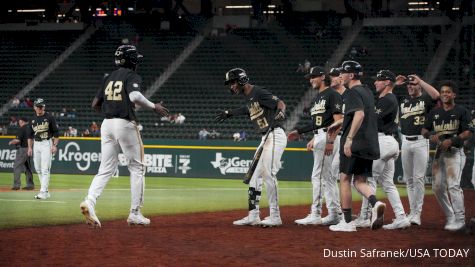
<point x="334" y="72"/>
<point x="39" y="102"/>
<point x="315" y="72"/>
<point x="384" y="75"/>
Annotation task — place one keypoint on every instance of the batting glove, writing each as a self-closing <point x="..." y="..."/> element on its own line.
<point x="222" y="116"/>
<point x="280" y="116"/>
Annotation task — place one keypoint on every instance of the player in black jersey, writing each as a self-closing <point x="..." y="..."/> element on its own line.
<point x="358" y="146"/>
<point x="117" y="98"/>
<point x="22" y="160"/>
<point x="42" y="144"/>
<point x="383" y="168"/>
<point x="413" y="108"/>
<point x="448" y="127"/>
<point x="326" y="109"/>
<point x="265" y="111"/>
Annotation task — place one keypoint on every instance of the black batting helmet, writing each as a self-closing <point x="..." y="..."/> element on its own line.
<point x="127" y="56"/>
<point x="351" y="66"/>
<point x="236" y="74"/>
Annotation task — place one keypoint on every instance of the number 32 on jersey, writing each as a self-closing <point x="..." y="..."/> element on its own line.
<point x="113" y="91"/>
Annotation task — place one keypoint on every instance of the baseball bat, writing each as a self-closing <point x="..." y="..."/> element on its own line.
<point x="255" y="160"/>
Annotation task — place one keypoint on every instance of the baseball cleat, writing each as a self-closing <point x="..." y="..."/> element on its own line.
<point x="136" y="218"/>
<point x="331" y="219"/>
<point x="88" y="211"/>
<point x="377" y="215"/>
<point x="414" y="218"/>
<point x="343" y="226"/>
<point x="42" y="195"/>
<point x="251" y="219"/>
<point x="401" y="222"/>
<point x="454" y="224"/>
<point x="361" y="222"/>
<point x="272" y="221"/>
<point x="311" y="219"/>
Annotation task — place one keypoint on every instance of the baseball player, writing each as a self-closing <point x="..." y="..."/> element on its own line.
<point x="448" y="127"/>
<point x="337" y="85"/>
<point x="358" y="146"/>
<point x="266" y="111"/>
<point x="45" y="136"/>
<point x="326" y="109"/>
<point x="117" y="98"/>
<point x="22" y="160"/>
<point x="415" y="148"/>
<point x="383" y="168"/>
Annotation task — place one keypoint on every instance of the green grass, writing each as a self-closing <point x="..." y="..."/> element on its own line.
<point x="162" y="196"/>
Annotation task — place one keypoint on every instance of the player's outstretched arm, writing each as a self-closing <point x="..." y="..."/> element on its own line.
<point x="138" y="99"/>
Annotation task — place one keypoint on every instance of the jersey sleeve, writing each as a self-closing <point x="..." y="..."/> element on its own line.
<point x="355" y="102"/>
<point x="267" y="99"/>
<point x="134" y="83"/>
<point x="54" y="127"/>
<point x="336" y="103"/>
<point x="30" y="134"/>
<point x="465" y="121"/>
<point x="429" y="120"/>
<point x="385" y="107"/>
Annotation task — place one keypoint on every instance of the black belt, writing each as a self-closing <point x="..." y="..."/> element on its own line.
<point x="413" y="138"/>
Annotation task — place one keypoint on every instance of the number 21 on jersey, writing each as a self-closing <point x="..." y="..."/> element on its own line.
<point x="113" y="90"/>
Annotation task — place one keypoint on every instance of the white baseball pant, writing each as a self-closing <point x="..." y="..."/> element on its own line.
<point x="323" y="181"/>
<point x="447" y="171"/>
<point x="383" y="173"/>
<point x="267" y="168"/>
<point x="117" y="134"/>
<point x="415" y="158"/>
<point x="42" y="159"/>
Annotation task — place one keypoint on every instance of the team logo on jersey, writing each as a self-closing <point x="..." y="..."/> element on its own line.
<point x="436" y="116"/>
<point x="378" y="110"/>
<point x="230" y="165"/>
<point x="337" y="106"/>
<point x="319" y="107"/>
<point x="451" y="127"/>
<point x="135" y="85"/>
<point x="255" y="110"/>
<point x="411" y="110"/>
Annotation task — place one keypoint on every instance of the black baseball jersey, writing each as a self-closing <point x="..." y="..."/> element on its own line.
<point x="261" y="107"/>
<point x="448" y="123"/>
<point x="325" y="104"/>
<point x="43" y="127"/>
<point x="387" y="112"/>
<point x="365" y="142"/>
<point x="22" y="134"/>
<point x="114" y="94"/>
<point x="412" y="112"/>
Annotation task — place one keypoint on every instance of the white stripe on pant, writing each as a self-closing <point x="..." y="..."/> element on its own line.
<point x="267" y="168"/>
<point x="117" y="134"/>
<point x="415" y="158"/>
<point x="42" y="159"/>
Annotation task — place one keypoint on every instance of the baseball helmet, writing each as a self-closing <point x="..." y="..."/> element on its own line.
<point x="334" y="72"/>
<point x="127" y="56"/>
<point x="39" y="102"/>
<point x="238" y="75"/>
<point x="315" y="72"/>
<point x="384" y="75"/>
<point x="351" y="66"/>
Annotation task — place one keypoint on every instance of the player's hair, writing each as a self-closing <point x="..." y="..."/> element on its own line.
<point x="451" y="84"/>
